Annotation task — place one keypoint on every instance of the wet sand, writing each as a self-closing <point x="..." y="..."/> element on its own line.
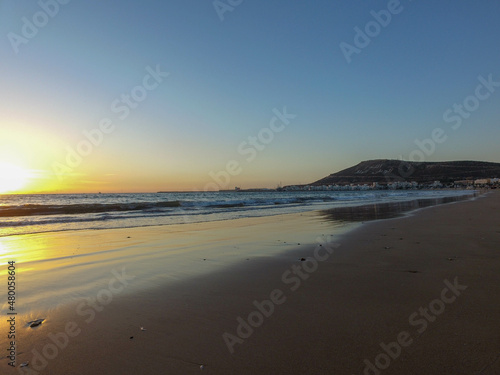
<point x="425" y="287"/>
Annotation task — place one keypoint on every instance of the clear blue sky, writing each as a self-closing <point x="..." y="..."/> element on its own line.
<point x="227" y="76"/>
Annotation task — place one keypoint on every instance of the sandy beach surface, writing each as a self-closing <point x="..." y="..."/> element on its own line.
<point x="419" y="294"/>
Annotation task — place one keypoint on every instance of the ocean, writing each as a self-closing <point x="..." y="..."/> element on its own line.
<point x="37" y="213"/>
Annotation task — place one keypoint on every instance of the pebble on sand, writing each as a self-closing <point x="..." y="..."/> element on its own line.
<point x="35" y="323"/>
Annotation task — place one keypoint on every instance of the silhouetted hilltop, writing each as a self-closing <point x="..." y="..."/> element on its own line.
<point x="387" y="171"/>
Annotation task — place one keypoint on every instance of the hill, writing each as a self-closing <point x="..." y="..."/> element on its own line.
<point x="385" y="171"/>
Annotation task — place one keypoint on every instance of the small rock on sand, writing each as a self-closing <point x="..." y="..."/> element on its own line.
<point x="35" y="323"/>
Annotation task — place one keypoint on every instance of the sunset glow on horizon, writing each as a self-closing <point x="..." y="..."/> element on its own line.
<point x="12" y="178"/>
<point x="132" y="97"/>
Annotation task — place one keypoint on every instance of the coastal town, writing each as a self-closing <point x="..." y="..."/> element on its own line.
<point x="389" y="174"/>
<point x="483" y="183"/>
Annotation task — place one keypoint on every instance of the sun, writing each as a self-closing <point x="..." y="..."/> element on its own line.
<point x="12" y="177"/>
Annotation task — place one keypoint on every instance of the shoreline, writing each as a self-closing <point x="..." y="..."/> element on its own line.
<point x="406" y="266"/>
<point x="90" y="255"/>
<point x="83" y="223"/>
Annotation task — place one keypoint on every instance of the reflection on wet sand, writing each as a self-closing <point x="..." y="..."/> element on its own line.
<point x="384" y="210"/>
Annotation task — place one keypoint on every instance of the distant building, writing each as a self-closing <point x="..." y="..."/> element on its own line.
<point x="437" y="184"/>
<point x="482" y="181"/>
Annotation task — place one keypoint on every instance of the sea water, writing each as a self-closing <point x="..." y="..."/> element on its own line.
<point x="37" y="213"/>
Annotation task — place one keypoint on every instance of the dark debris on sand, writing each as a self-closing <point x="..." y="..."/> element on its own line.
<point x="35" y="323"/>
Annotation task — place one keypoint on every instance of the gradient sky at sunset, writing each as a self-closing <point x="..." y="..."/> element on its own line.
<point x="226" y="81"/>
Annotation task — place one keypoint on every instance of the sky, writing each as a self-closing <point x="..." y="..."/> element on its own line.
<point x="129" y="96"/>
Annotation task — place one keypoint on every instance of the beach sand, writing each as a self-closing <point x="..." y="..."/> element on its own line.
<point x="425" y="287"/>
